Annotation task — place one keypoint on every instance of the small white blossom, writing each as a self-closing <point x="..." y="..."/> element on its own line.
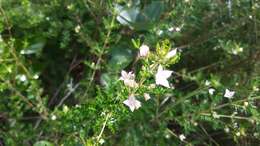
<point x="238" y="134"/>
<point x="178" y="29"/>
<point x="128" y="78"/>
<point x="162" y="76"/>
<point x="255" y="88"/>
<point x="22" y="78"/>
<point x="160" y="32"/>
<point x="143" y="50"/>
<point x="171" y="29"/>
<point x="229" y="94"/>
<point x="227" y="130"/>
<point x="77" y="29"/>
<point x="152" y="86"/>
<point x="36" y="76"/>
<point x="207" y="83"/>
<point x="132" y="103"/>
<point x="211" y="91"/>
<point x="182" y="137"/>
<point x="171" y="53"/>
<point x="241" y="49"/>
<point x="101" y="141"/>
<point x="147" y="96"/>
<point x="246" y="104"/>
<point x="53" y="117"/>
<point x="65" y="109"/>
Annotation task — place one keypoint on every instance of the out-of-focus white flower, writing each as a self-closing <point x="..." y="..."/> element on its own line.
<point x="241" y="49"/>
<point x="128" y="78"/>
<point x="227" y="130"/>
<point x="147" y="96"/>
<point x="162" y="76"/>
<point x="101" y="141"/>
<point x="246" y="103"/>
<point x="255" y="88"/>
<point x="152" y="86"/>
<point x="171" y="53"/>
<point x="229" y="94"/>
<point x="65" y="109"/>
<point x="238" y="134"/>
<point x="53" y="117"/>
<point x="132" y="103"/>
<point x="159" y="32"/>
<point x="182" y="137"/>
<point x="143" y="50"/>
<point x="178" y="29"/>
<point x="22" y="78"/>
<point x="211" y="91"/>
<point x="171" y="29"/>
<point x="77" y="29"/>
<point x="207" y="83"/>
<point x="186" y="1"/>
<point x="36" y="76"/>
<point x="250" y="16"/>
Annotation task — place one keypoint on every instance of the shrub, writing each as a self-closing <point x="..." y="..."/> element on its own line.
<point x="120" y="72"/>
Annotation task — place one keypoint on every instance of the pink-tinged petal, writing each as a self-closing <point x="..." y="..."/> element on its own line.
<point x="123" y="74"/>
<point x="163" y="82"/>
<point x="132" y="103"/>
<point x="147" y="96"/>
<point x="137" y="104"/>
<point x="162" y="76"/>
<point x="144" y="50"/>
<point x="229" y="94"/>
<point x="171" y="53"/>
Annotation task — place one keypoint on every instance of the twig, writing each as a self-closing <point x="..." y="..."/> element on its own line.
<point x="103" y="127"/>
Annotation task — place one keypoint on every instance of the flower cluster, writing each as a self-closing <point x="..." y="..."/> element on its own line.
<point x="161" y="77"/>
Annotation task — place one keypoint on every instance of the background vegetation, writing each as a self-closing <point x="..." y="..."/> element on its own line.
<point x="60" y="63"/>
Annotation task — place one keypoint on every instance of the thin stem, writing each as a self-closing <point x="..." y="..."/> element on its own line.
<point x="103" y="127"/>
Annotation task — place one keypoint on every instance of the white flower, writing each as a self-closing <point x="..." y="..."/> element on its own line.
<point x="132" y="103"/>
<point x="160" y="32"/>
<point x="171" y="29"/>
<point x="211" y="91"/>
<point x="229" y="94"/>
<point x="144" y="50"/>
<point x="171" y="53"/>
<point x="178" y="29"/>
<point x="246" y="103"/>
<point x="227" y="130"/>
<point x="207" y="83"/>
<point x="128" y="78"/>
<point x="22" y="78"/>
<point x="182" y="137"/>
<point x="101" y="141"/>
<point x="162" y="76"/>
<point x="77" y="29"/>
<point x="147" y="96"/>
<point x="53" y="117"/>
<point x="238" y="134"/>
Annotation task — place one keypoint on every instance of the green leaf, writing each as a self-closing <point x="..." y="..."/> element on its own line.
<point x="43" y="143"/>
<point x="140" y="19"/>
<point x="121" y="57"/>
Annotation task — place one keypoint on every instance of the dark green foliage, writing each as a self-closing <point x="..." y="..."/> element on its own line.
<point x="60" y="64"/>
